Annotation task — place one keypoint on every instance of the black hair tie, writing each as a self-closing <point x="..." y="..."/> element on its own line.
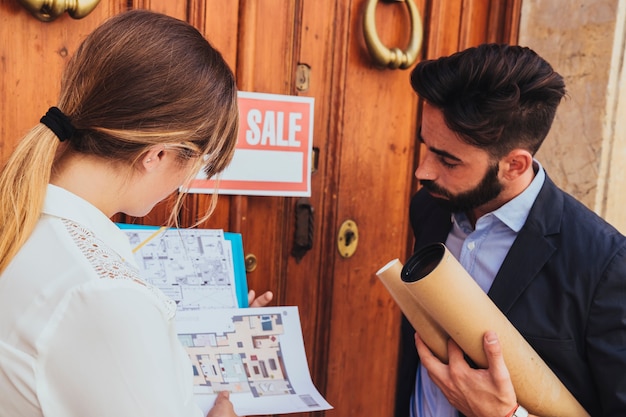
<point x="59" y="123"/>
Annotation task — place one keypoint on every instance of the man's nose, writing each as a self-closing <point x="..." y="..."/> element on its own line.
<point x="425" y="170"/>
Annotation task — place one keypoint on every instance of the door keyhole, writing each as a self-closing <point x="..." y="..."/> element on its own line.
<point x="348" y="237"/>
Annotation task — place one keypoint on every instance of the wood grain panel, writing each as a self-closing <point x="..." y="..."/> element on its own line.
<point x="176" y="9"/>
<point x="265" y="64"/>
<point x="33" y="55"/>
<point x="375" y="160"/>
<point x="306" y="283"/>
<point x="474" y="24"/>
<point x="218" y="21"/>
<point x="220" y="24"/>
<point x="442" y="27"/>
<point x="504" y="21"/>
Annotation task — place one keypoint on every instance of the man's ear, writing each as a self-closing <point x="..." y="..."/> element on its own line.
<point x="516" y="163"/>
<point x="150" y="160"/>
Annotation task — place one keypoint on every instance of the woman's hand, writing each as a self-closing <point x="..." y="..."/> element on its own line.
<point x="260" y="301"/>
<point x="222" y="407"/>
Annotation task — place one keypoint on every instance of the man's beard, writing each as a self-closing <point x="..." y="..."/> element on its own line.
<point x="488" y="189"/>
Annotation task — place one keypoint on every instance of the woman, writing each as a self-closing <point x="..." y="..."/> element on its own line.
<point x="145" y="102"/>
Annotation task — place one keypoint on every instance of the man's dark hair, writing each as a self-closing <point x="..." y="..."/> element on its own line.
<point x="497" y="97"/>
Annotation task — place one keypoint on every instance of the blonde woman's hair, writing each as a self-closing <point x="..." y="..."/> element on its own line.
<point x="138" y="80"/>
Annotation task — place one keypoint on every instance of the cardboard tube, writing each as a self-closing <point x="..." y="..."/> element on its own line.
<point x="454" y="300"/>
<point x="431" y="333"/>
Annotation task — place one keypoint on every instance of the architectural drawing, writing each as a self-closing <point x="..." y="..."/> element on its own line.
<point x="257" y="354"/>
<point x="248" y="359"/>
<point x="193" y="267"/>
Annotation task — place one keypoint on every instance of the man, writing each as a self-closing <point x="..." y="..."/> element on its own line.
<point x="554" y="268"/>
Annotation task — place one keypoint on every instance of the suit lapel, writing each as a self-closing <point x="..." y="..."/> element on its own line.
<point x="532" y="248"/>
<point x="527" y="256"/>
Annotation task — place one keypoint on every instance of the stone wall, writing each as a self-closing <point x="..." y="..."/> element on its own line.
<point x="583" y="40"/>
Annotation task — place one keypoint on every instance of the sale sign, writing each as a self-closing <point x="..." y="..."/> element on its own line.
<point x="273" y="153"/>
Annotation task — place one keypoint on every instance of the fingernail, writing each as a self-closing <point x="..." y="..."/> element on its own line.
<point x="492" y="338"/>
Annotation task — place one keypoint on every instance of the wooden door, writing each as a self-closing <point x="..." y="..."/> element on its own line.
<point x="364" y="137"/>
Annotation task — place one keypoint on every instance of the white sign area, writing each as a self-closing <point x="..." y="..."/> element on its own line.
<point x="273" y="153"/>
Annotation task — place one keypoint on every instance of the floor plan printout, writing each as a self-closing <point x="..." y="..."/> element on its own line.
<point x="257" y="354"/>
<point x="194" y="267"/>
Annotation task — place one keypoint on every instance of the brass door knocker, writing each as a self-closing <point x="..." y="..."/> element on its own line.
<point x="48" y="10"/>
<point x="395" y="57"/>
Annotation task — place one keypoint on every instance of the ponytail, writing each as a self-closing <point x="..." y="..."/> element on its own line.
<point x="23" y="184"/>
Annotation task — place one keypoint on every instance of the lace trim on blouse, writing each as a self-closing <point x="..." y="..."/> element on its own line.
<point x="109" y="264"/>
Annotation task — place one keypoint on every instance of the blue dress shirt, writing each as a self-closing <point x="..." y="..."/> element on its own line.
<point x="481" y="251"/>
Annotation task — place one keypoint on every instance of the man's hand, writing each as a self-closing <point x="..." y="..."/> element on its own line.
<point x="260" y="301"/>
<point x="222" y="407"/>
<point x="474" y="392"/>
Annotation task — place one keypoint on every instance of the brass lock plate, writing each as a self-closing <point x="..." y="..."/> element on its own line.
<point x="347" y="238"/>
<point x="251" y="262"/>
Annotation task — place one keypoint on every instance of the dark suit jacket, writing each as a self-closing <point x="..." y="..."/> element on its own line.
<point x="562" y="285"/>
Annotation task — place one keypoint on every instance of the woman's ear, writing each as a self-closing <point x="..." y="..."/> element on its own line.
<point x="517" y="163"/>
<point x="150" y="160"/>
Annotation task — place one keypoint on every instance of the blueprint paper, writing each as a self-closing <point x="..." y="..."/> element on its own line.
<point x="197" y="268"/>
<point x="257" y="354"/>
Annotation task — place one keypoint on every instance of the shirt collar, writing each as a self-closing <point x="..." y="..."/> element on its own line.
<point x="63" y="204"/>
<point x="515" y="212"/>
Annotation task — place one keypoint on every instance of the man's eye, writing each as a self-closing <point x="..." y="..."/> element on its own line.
<point x="447" y="164"/>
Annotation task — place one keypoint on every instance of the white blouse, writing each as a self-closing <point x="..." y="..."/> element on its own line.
<point x="80" y="333"/>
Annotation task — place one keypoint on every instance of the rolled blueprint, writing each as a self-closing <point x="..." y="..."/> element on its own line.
<point x="457" y="307"/>
<point x="431" y="333"/>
